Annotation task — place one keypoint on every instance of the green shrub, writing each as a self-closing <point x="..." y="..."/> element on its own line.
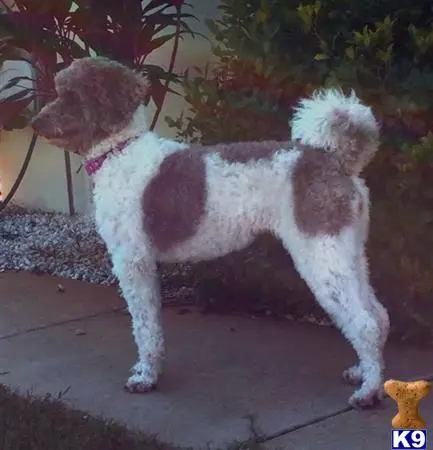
<point x="272" y="52"/>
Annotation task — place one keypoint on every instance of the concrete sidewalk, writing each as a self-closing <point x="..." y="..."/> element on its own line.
<point x="220" y="371"/>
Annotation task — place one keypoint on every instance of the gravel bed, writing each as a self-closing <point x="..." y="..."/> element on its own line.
<point x="54" y="244"/>
<point x="60" y="245"/>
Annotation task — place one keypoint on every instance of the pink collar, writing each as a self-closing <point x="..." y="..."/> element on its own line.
<point x="93" y="165"/>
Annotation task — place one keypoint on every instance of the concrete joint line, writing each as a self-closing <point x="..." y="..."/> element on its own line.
<point x="62" y="322"/>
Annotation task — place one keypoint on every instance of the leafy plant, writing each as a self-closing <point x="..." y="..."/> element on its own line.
<point x="270" y="52"/>
<point x="49" y="34"/>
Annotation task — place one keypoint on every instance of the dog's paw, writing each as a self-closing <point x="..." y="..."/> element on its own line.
<point x="353" y="376"/>
<point x="137" y="385"/>
<point x="143" y="379"/>
<point x="366" y="400"/>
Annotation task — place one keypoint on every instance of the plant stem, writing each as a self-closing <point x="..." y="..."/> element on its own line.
<point x="69" y="185"/>
<point x="21" y="173"/>
<point x="170" y="69"/>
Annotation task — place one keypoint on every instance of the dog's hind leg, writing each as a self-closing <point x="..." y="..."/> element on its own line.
<point x="354" y="374"/>
<point x="140" y="287"/>
<point x="330" y="266"/>
<point x="377" y="308"/>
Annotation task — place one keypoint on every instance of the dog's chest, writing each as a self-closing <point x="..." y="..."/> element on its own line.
<point x="117" y="194"/>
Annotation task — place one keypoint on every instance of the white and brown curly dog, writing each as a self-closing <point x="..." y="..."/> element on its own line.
<point x="160" y="200"/>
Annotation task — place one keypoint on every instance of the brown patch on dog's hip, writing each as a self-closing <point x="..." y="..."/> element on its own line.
<point x="322" y="193"/>
<point x="174" y="201"/>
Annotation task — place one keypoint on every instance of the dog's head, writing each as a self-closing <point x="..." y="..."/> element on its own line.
<point x="96" y="98"/>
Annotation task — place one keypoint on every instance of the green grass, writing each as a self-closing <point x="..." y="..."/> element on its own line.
<point x="28" y="422"/>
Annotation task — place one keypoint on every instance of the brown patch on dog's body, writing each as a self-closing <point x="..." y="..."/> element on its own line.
<point x="175" y="199"/>
<point x="323" y="193"/>
<point x="174" y="202"/>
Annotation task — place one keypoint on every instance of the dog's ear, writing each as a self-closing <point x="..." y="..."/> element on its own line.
<point x="127" y="87"/>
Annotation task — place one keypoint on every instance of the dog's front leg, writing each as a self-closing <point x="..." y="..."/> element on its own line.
<point x="140" y="287"/>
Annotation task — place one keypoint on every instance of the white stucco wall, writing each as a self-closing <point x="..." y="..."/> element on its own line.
<point x="44" y="185"/>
